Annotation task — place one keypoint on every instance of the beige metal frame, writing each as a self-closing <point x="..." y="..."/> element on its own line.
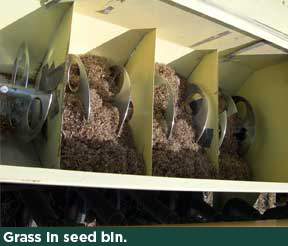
<point x="218" y="11"/>
<point x="41" y="176"/>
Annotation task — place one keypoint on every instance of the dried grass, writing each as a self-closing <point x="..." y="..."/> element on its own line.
<point x="94" y="145"/>
<point x="179" y="156"/>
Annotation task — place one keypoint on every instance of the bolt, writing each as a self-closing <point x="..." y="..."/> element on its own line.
<point x="4" y="89"/>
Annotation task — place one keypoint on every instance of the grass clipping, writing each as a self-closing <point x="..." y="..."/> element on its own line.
<point x="94" y="145"/>
<point x="180" y="155"/>
<point x="231" y="165"/>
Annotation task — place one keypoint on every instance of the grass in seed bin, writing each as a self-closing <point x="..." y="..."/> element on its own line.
<point x="231" y="165"/>
<point x="179" y="156"/>
<point x="94" y="145"/>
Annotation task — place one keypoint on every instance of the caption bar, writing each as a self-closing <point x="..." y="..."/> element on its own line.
<point x="111" y="237"/>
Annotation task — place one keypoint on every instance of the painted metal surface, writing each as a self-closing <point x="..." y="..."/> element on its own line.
<point x="232" y="18"/>
<point x="248" y="73"/>
<point x="209" y="82"/>
<point x="42" y="176"/>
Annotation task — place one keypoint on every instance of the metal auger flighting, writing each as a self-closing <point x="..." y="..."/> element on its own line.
<point x="28" y="106"/>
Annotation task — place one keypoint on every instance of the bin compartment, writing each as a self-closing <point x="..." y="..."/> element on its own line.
<point x="47" y="45"/>
<point x="262" y="80"/>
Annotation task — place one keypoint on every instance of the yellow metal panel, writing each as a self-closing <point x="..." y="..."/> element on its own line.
<point x="257" y="62"/>
<point x="185" y="65"/>
<point x="6" y="18"/>
<point x="232" y="75"/>
<point x="235" y="64"/>
<point x="173" y="23"/>
<point x="85" y="37"/>
<point x="50" y="151"/>
<point x="88" y="33"/>
<point x="175" y="51"/>
<point x="267" y="91"/>
<point x="141" y="70"/>
<point x="206" y="75"/>
<point x="36" y="29"/>
<point x="119" y="49"/>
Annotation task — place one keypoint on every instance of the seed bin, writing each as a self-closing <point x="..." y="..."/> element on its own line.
<point x="221" y="57"/>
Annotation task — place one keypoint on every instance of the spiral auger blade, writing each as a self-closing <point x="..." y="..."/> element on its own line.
<point x="197" y="104"/>
<point x="122" y="99"/>
<point x="230" y="110"/>
<point x="247" y="130"/>
<point x="222" y="126"/>
<point x="82" y="90"/>
<point x="31" y="103"/>
<point x="23" y="59"/>
<point x="231" y="106"/>
<point x="51" y="77"/>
